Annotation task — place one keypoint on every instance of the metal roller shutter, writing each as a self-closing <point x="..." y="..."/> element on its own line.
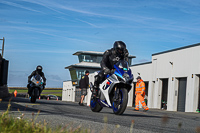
<point x="182" y="94"/>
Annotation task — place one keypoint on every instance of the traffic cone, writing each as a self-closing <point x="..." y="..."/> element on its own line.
<point x="47" y="98"/>
<point x="15" y="93"/>
<point x="39" y="97"/>
<point x="57" y="98"/>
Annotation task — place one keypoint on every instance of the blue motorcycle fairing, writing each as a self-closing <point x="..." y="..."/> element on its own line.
<point x="130" y="73"/>
<point x="119" y="72"/>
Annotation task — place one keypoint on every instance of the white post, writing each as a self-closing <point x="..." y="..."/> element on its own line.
<point x="130" y="97"/>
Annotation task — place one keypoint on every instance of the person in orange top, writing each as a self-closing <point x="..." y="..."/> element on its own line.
<point x="140" y="93"/>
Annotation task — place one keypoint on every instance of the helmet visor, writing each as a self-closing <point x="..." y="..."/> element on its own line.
<point x="120" y="51"/>
<point x="39" y="69"/>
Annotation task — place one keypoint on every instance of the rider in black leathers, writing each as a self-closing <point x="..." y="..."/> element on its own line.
<point x="37" y="71"/>
<point x="110" y="57"/>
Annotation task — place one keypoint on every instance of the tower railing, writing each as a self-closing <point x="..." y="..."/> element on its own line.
<point x="2" y="49"/>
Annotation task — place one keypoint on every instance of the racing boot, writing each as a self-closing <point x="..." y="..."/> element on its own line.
<point x="93" y="90"/>
<point x="96" y="90"/>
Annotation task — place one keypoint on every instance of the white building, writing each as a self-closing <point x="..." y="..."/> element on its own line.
<point x="173" y="76"/>
<point x="88" y="60"/>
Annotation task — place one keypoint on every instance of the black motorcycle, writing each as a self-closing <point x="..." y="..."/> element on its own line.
<point x="36" y="86"/>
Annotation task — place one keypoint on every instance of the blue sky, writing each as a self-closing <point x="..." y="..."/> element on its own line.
<point x="48" y="32"/>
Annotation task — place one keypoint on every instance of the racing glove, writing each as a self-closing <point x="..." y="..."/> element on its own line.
<point x="112" y="71"/>
<point x="106" y="71"/>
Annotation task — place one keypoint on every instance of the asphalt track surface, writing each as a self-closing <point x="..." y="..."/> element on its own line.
<point x="71" y="114"/>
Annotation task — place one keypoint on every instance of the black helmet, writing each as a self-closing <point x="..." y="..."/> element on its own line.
<point x="39" y="68"/>
<point x="87" y="71"/>
<point x="119" y="47"/>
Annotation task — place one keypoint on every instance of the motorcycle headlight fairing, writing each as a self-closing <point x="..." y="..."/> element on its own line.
<point x="128" y="78"/>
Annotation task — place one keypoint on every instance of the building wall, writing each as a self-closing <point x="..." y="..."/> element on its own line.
<point x="145" y="71"/>
<point x="184" y="63"/>
<point x="68" y="92"/>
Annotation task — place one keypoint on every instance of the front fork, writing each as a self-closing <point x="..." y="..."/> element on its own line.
<point x="116" y="96"/>
<point x="93" y="90"/>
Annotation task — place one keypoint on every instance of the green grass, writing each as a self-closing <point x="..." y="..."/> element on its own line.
<point x="52" y="90"/>
<point x="10" y="124"/>
<point x="44" y="92"/>
<point x="18" y="91"/>
<point x="60" y="94"/>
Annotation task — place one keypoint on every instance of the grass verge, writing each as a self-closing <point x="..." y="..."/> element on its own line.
<point x="57" y="92"/>
<point x="11" y="124"/>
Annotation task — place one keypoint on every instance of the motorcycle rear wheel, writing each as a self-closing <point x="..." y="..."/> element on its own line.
<point x="120" y="106"/>
<point x="94" y="105"/>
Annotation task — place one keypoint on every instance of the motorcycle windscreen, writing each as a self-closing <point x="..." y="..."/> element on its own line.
<point x="122" y="66"/>
<point x="37" y="77"/>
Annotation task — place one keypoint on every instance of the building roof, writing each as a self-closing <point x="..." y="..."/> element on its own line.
<point x="95" y="53"/>
<point x="189" y="46"/>
<point x="142" y="63"/>
<point x="85" y="65"/>
<point x="131" y="56"/>
<point x="88" y="53"/>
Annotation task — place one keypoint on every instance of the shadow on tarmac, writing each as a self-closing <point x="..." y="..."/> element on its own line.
<point x="24" y="104"/>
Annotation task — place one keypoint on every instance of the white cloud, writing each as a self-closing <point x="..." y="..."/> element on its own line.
<point x="93" y="25"/>
<point x="41" y="51"/>
<point x="48" y="32"/>
<point x="18" y="6"/>
<point x="44" y="4"/>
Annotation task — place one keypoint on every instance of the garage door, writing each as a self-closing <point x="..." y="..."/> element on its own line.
<point x="182" y="94"/>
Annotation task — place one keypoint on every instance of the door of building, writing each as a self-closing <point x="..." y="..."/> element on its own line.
<point x="146" y="92"/>
<point x="198" y="106"/>
<point x="181" y="94"/>
<point x="164" y="93"/>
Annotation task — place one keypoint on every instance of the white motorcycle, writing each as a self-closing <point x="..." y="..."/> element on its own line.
<point x="113" y="91"/>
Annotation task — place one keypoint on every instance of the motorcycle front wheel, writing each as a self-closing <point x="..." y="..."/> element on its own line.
<point x="120" y="105"/>
<point x="34" y="95"/>
<point x="33" y="99"/>
<point x="94" y="105"/>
